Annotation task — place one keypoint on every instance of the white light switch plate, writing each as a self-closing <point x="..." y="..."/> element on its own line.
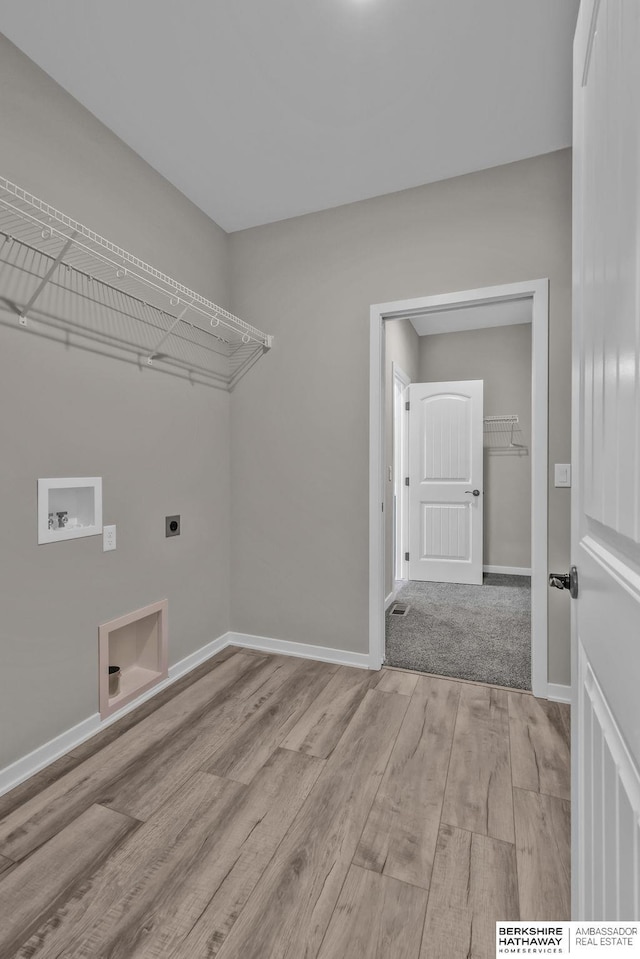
<point x="108" y="538"/>
<point x="562" y="474"/>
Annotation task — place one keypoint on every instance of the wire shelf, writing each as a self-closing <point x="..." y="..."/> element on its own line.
<point x="500" y="433"/>
<point x="57" y="271"/>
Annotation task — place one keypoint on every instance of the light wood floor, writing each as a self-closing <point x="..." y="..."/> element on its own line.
<point x="277" y="808"/>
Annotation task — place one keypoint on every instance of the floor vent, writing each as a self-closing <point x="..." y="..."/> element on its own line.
<point x="399" y="609"/>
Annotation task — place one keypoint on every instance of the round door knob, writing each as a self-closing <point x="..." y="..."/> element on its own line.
<point x="474" y="492"/>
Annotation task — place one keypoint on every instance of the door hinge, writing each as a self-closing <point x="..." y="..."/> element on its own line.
<point x="407" y="406"/>
<point x="406" y="481"/>
<point x="406" y="556"/>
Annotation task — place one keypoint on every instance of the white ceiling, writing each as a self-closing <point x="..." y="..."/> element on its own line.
<point x="260" y="110"/>
<point x="477" y="317"/>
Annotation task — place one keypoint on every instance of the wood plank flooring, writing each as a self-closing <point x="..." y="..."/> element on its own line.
<point x="399" y="838"/>
<point x="284" y="808"/>
<point x="479" y="796"/>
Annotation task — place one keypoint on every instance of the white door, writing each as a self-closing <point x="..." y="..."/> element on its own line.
<point x="400" y="457"/>
<point x="445" y="482"/>
<point x="606" y="495"/>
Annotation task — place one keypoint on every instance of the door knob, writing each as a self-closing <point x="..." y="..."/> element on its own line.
<point x="566" y="581"/>
<point x="474" y="492"/>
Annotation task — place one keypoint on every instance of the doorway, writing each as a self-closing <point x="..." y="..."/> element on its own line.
<point x="482" y="308"/>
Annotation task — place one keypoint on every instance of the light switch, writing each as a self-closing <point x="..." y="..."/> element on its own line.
<point x="562" y="474"/>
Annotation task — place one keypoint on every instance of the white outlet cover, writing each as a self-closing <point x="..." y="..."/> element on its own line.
<point x="108" y="538"/>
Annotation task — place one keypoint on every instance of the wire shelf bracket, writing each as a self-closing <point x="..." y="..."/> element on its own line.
<point x="123" y="300"/>
<point x="166" y="335"/>
<point x="45" y="279"/>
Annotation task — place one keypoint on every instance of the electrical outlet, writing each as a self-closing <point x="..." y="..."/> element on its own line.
<point x="172" y="525"/>
<point x="108" y="538"/>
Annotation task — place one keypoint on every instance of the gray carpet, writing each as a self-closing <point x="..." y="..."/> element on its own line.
<point x="467" y="632"/>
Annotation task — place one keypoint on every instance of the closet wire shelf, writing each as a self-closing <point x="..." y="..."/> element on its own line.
<point x="501" y="434"/>
<point x="58" y="272"/>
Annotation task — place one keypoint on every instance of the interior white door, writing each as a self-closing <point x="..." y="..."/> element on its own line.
<point x="606" y="495"/>
<point x="445" y="482"/>
<point x="400" y="458"/>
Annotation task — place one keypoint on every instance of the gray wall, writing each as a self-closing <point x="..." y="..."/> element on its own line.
<point x="501" y="356"/>
<point x="160" y="444"/>
<point x="401" y="346"/>
<point x="299" y="434"/>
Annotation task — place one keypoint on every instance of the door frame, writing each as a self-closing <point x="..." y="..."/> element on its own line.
<point x="538" y="292"/>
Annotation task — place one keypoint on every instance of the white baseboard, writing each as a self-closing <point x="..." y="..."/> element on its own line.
<point x="558" y="693"/>
<point x="324" y="654"/>
<point x="11" y="776"/>
<point x="508" y="570"/>
<point x="391" y="598"/>
<point x="195" y="659"/>
<point x="33" y="762"/>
